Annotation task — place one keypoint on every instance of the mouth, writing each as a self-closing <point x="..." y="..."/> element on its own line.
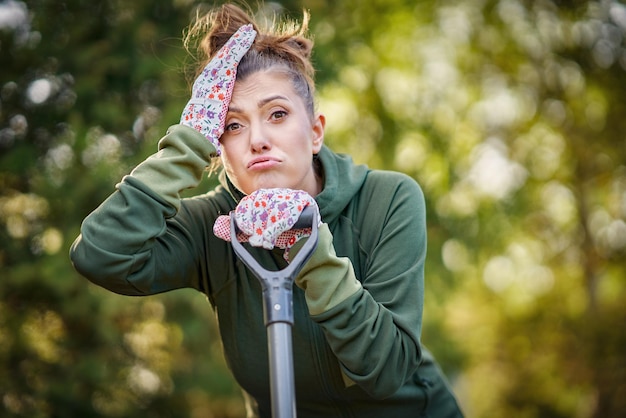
<point x="262" y="162"/>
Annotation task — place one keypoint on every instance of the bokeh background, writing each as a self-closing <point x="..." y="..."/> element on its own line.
<point x="511" y="114"/>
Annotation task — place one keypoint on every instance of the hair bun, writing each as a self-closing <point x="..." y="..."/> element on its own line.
<point x="285" y="43"/>
<point x="303" y="44"/>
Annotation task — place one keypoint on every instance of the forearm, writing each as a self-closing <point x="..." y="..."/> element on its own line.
<point x="124" y="244"/>
<point x="375" y="331"/>
<point x="326" y="279"/>
<point x="375" y="348"/>
<point x="183" y="155"/>
<point x="378" y="349"/>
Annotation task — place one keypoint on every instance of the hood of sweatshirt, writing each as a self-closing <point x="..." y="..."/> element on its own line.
<point x="342" y="180"/>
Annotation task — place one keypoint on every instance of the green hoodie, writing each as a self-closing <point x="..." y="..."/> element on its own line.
<point x="356" y="354"/>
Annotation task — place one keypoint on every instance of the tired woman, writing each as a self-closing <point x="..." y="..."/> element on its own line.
<point x="358" y="300"/>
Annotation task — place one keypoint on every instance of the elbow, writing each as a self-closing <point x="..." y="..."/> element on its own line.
<point x="383" y="394"/>
<point x="384" y="386"/>
<point x="391" y="376"/>
<point x="80" y="259"/>
<point x="380" y="390"/>
<point x="100" y="268"/>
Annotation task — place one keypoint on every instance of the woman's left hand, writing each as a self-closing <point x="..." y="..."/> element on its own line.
<point x="210" y="97"/>
<point x="265" y="218"/>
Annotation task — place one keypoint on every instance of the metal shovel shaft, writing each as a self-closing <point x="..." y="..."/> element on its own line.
<point x="278" y="313"/>
<point x="282" y="383"/>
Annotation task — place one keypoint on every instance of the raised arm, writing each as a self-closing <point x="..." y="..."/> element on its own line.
<point x="127" y="245"/>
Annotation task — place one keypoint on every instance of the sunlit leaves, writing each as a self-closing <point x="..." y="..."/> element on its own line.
<point x="84" y="88"/>
<point x="508" y="113"/>
<point x="21" y="213"/>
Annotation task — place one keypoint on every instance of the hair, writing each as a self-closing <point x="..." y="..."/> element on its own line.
<point x="282" y="47"/>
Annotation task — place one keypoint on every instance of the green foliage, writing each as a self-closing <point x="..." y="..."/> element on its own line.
<point x="83" y="99"/>
<point x="509" y="114"/>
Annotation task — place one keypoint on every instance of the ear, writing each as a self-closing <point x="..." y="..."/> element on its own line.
<point x="319" y="124"/>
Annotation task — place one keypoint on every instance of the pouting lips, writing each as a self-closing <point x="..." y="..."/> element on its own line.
<point x="262" y="161"/>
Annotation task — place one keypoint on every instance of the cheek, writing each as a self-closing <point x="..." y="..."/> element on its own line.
<point x="226" y="161"/>
<point x="234" y="174"/>
<point x="229" y="151"/>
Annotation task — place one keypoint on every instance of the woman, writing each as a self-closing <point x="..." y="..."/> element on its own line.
<point x="358" y="300"/>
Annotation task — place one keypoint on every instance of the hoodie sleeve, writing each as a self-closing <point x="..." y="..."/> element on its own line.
<point x="375" y="329"/>
<point x="126" y="245"/>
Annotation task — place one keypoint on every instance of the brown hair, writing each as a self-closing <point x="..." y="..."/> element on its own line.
<point x="283" y="47"/>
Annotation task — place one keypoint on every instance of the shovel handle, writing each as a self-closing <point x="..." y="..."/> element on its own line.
<point x="278" y="312"/>
<point x="277" y="285"/>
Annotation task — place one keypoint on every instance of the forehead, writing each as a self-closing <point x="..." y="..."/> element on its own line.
<point x="260" y="84"/>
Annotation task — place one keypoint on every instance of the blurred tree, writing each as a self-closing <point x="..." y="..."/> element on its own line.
<point x="508" y="113"/>
<point x="86" y="90"/>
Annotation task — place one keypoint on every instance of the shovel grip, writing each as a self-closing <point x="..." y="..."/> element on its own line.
<point x="306" y="219"/>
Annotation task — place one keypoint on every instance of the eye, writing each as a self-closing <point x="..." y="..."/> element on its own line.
<point x="231" y="127"/>
<point x="279" y="114"/>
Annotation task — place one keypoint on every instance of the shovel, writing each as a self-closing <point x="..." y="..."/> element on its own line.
<point x="278" y="312"/>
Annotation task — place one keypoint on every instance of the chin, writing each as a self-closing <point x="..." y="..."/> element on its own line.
<point x="272" y="183"/>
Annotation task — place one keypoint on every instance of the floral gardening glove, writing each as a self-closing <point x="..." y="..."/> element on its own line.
<point x="265" y="218"/>
<point x="213" y="89"/>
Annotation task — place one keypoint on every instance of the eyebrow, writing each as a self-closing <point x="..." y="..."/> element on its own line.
<point x="260" y="103"/>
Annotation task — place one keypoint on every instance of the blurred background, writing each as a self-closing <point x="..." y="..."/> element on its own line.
<point x="511" y="114"/>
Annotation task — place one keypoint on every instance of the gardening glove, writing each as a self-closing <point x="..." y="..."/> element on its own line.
<point x="213" y="89"/>
<point x="265" y="218"/>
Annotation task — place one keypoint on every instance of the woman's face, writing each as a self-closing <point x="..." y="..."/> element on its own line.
<point x="269" y="138"/>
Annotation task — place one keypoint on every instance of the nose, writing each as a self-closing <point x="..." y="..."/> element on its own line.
<point x="259" y="138"/>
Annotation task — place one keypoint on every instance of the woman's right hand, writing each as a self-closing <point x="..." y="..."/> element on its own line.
<point x="213" y="89"/>
<point x="266" y="218"/>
